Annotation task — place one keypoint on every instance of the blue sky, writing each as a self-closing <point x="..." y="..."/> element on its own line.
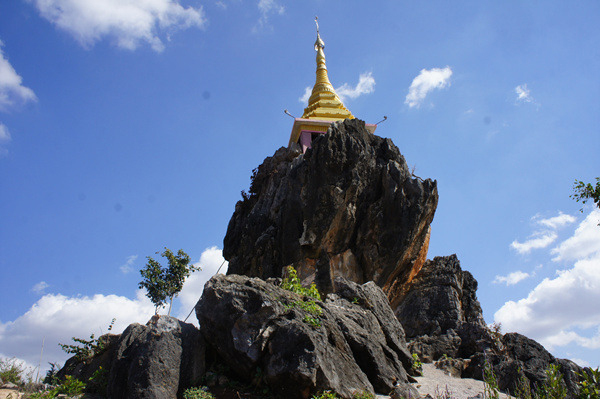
<point x="127" y="126"/>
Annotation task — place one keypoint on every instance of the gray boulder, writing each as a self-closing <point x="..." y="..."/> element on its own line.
<point x="158" y="360"/>
<point x="355" y="343"/>
<point x="349" y="207"/>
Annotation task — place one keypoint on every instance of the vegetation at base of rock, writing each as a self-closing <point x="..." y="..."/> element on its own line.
<point x="163" y="284"/>
<point x="583" y="192"/>
<point x="14" y="371"/>
<point x="589" y="385"/>
<point x="417" y="365"/>
<point x="51" y="377"/>
<point x="85" y="349"/>
<point x="523" y="390"/>
<point x="490" y="383"/>
<point x="363" y="395"/>
<point x="292" y="283"/>
<point x="554" y="386"/>
<point x="326" y="395"/>
<point x="98" y="382"/>
<point x="197" y="393"/>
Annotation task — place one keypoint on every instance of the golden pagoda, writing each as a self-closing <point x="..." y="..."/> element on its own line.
<point x="324" y="105"/>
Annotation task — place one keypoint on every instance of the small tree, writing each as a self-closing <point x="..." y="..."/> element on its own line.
<point x="164" y="284"/>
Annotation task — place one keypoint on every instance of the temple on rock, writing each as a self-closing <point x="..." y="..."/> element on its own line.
<point x="324" y="105"/>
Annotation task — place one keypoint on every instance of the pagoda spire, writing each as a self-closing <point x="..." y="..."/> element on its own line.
<point x="324" y="103"/>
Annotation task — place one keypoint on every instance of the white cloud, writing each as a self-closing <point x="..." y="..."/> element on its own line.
<point x="267" y="8"/>
<point x="365" y="85"/>
<point x="40" y="287"/>
<point x="306" y="95"/>
<point x="12" y="90"/>
<point x="538" y="240"/>
<point x="563" y="310"/>
<point x="425" y="82"/>
<point x="523" y="93"/>
<point x="544" y="237"/>
<point x="4" y="133"/>
<point x="210" y="261"/>
<point x="585" y="242"/>
<point x="127" y="266"/>
<point x="557" y="221"/>
<point x="512" y="278"/>
<point x="128" y="22"/>
<point x="55" y="318"/>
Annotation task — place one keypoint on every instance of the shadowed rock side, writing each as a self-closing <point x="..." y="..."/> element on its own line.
<point x="357" y="343"/>
<point x="349" y="207"/>
<point x="158" y="360"/>
<point x="441" y="316"/>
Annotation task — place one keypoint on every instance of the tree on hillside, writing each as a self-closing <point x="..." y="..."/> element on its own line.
<point x="586" y="191"/>
<point x="164" y="284"/>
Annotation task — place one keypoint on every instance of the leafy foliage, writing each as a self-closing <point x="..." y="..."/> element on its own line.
<point x="164" y="284"/>
<point x="523" y="389"/>
<point x="309" y="305"/>
<point x="197" y="393"/>
<point x="51" y="377"/>
<point x="583" y="192"/>
<point x="417" y="365"/>
<point x="363" y="395"/>
<point x="589" y="385"/>
<point x="326" y="395"/>
<point x="554" y="387"/>
<point x="490" y="383"/>
<point x="12" y="370"/>
<point x="98" y="382"/>
<point x="85" y="349"/>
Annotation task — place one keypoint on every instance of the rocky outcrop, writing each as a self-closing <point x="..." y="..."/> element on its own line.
<point x="158" y="360"/>
<point x="523" y="356"/>
<point x="441" y="314"/>
<point x="348" y="207"/>
<point x="349" y="342"/>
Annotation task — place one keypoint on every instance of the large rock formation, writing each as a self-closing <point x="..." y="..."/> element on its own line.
<point x="355" y="344"/>
<point x="441" y="314"/>
<point x="348" y="207"/>
<point x="156" y="361"/>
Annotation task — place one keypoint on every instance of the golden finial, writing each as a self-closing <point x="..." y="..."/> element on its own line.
<point x="323" y="102"/>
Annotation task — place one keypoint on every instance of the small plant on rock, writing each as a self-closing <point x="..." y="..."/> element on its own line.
<point x="363" y="395"/>
<point x="311" y="294"/>
<point x="490" y="383"/>
<point x="554" y="387"/>
<point x="326" y="395"/>
<point x="12" y="370"/>
<point x="85" y="349"/>
<point x="523" y="390"/>
<point x="417" y="365"/>
<point x="589" y="385"/>
<point x="198" y="393"/>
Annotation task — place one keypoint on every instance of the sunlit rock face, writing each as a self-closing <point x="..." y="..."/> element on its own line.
<point x="348" y="207"/>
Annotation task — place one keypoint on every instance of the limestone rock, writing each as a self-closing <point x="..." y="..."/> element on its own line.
<point x="158" y="360"/>
<point x="356" y="345"/>
<point x="348" y="207"/>
<point x="441" y="314"/>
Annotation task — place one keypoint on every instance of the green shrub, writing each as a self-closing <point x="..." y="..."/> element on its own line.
<point x="98" y="382"/>
<point x="417" y="365"/>
<point x="70" y="386"/>
<point x="292" y="283"/>
<point x="197" y="393"/>
<point x="12" y="370"/>
<point x="490" y="383"/>
<point x="363" y="395"/>
<point x="326" y="395"/>
<point x="523" y="390"/>
<point x="554" y="387"/>
<point x="85" y="349"/>
<point x="589" y="384"/>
